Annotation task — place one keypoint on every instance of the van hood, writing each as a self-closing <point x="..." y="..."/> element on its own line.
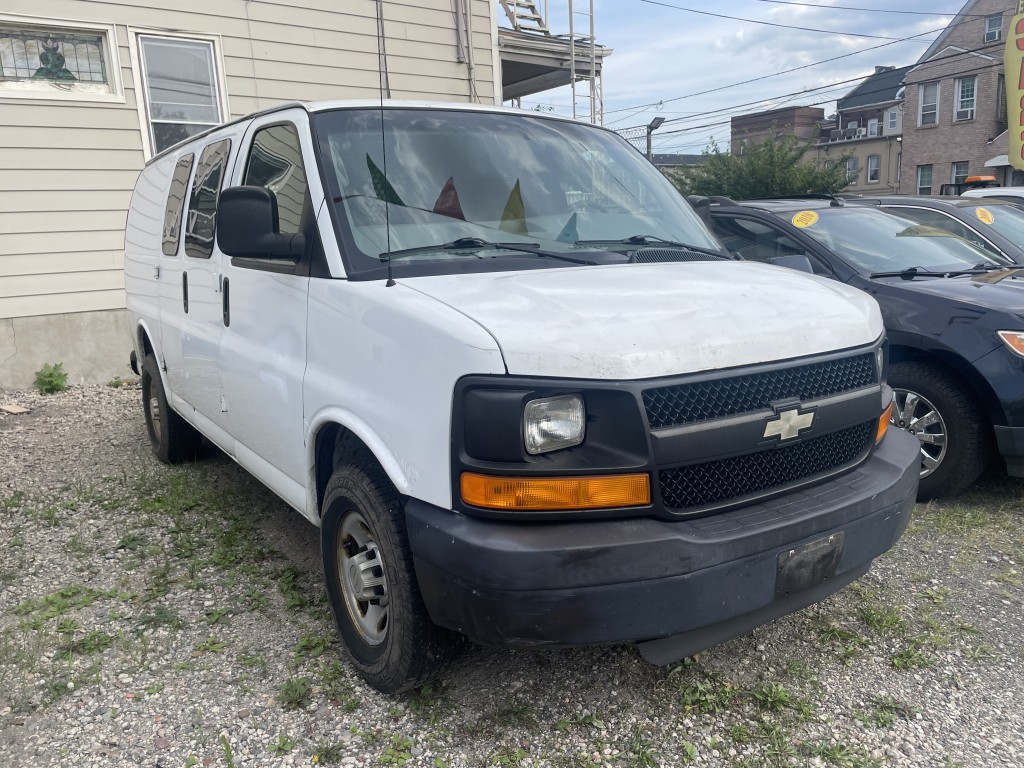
<point x="637" y="321"/>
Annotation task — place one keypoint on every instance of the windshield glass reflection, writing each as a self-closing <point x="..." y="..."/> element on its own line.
<point x="430" y="177"/>
<point x="878" y="241"/>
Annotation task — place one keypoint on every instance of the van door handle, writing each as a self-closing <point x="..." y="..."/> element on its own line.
<point x="184" y="290"/>
<point x="226" y="302"/>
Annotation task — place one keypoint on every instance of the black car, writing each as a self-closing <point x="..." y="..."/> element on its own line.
<point x="954" y="315"/>
<point x="995" y="225"/>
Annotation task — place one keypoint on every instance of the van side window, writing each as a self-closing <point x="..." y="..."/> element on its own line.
<point x="202" y="205"/>
<point x="275" y="162"/>
<point x="176" y="204"/>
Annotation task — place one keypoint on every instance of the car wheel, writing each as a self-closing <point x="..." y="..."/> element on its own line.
<point x="372" y="586"/>
<point x="951" y="428"/>
<point x="172" y="438"/>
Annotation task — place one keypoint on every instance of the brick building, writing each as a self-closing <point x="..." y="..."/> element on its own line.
<point x="803" y="122"/>
<point x="954" y="119"/>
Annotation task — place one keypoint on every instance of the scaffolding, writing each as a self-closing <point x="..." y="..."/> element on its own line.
<point x="583" y="60"/>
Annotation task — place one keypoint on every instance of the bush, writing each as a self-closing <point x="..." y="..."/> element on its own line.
<point x="51" y="379"/>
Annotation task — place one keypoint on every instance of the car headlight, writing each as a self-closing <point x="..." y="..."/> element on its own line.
<point x="1014" y="340"/>
<point x="551" y="423"/>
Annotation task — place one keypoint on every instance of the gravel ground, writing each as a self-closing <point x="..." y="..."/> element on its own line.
<point x="167" y="617"/>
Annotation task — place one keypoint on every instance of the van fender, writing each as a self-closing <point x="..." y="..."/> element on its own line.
<point x="398" y="471"/>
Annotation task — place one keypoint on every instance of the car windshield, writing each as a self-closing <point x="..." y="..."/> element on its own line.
<point x="873" y="240"/>
<point x="412" y="179"/>
<point x="1007" y="220"/>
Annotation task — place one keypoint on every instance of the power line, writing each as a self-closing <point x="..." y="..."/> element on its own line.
<point x="813" y="104"/>
<point x="871" y="10"/>
<point x="640" y="107"/>
<point x="772" y="23"/>
<point x="839" y="83"/>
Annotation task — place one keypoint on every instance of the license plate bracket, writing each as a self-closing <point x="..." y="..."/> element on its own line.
<point x="808" y="565"/>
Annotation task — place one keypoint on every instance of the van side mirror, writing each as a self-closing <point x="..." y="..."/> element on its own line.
<point x="248" y="226"/>
<point x="800" y="263"/>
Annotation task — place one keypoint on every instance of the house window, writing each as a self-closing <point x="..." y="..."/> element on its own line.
<point x="924" y="179"/>
<point x="851" y="169"/>
<point x="993" y="26"/>
<point x="965" y="92"/>
<point x="56" y="62"/>
<point x="929" y="108"/>
<point x="959" y="174"/>
<point x="874" y="127"/>
<point x="892" y="120"/>
<point x="874" y="168"/>
<point x="1001" y="98"/>
<point x="181" y="87"/>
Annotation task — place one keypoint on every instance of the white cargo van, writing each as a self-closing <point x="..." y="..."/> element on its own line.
<point x="525" y="393"/>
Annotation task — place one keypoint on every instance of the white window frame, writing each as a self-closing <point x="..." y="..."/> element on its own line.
<point x="42" y="89"/>
<point x="874" y="127"/>
<point x="139" y="80"/>
<point x="892" y="120"/>
<point x="934" y="104"/>
<point x="962" y="113"/>
<point x="931" y="179"/>
<point x="877" y="170"/>
<point x="952" y="171"/>
<point x="852" y="168"/>
<point x="993" y="35"/>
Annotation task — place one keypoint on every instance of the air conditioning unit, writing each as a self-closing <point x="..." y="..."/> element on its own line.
<point x="862" y="132"/>
<point x="965" y="114"/>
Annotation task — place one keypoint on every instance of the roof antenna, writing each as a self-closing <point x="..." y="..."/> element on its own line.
<point x="384" y="87"/>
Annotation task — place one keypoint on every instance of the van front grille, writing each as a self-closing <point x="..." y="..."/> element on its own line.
<point x="715" y="398"/>
<point x="693" y="487"/>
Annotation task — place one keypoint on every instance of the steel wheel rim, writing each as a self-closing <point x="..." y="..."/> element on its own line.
<point x="362" y="578"/>
<point x="154" y="414"/>
<point x="917" y="415"/>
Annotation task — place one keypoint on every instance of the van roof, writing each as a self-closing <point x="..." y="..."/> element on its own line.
<point x="332" y="104"/>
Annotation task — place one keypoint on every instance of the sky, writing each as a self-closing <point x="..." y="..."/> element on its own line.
<point x="662" y="53"/>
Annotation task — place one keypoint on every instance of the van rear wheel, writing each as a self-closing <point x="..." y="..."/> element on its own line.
<point x="372" y="585"/>
<point x="172" y="439"/>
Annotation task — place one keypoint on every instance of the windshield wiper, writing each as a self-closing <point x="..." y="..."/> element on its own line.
<point x="476" y="244"/>
<point x="911" y="272"/>
<point x="654" y="240"/>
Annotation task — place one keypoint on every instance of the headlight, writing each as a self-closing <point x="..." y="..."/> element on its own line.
<point x="1014" y="340"/>
<point x="552" y="423"/>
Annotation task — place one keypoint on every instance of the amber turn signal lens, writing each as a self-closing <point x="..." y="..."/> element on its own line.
<point x="555" y="493"/>
<point x="883" y="423"/>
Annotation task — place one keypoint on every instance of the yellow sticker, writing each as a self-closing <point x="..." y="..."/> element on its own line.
<point x="805" y="219"/>
<point x="985" y="215"/>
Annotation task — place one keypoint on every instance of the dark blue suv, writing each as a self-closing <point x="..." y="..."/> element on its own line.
<point x="954" y="315"/>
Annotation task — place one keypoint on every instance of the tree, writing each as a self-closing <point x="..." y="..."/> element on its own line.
<point x="772" y="168"/>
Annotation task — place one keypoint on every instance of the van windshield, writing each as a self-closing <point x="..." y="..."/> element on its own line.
<point x="406" y="180"/>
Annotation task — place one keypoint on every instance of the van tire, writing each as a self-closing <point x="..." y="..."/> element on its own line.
<point x="961" y="420"/>
<point x="390" y="638"/>
<point x="172" y="439"/>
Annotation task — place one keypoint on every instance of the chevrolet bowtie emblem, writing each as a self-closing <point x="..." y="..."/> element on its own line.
<point x="788" y="424"/>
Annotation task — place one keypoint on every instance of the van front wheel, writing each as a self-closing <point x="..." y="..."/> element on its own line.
<point x="372" y="585"/>
<point x="172" y="438"/>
